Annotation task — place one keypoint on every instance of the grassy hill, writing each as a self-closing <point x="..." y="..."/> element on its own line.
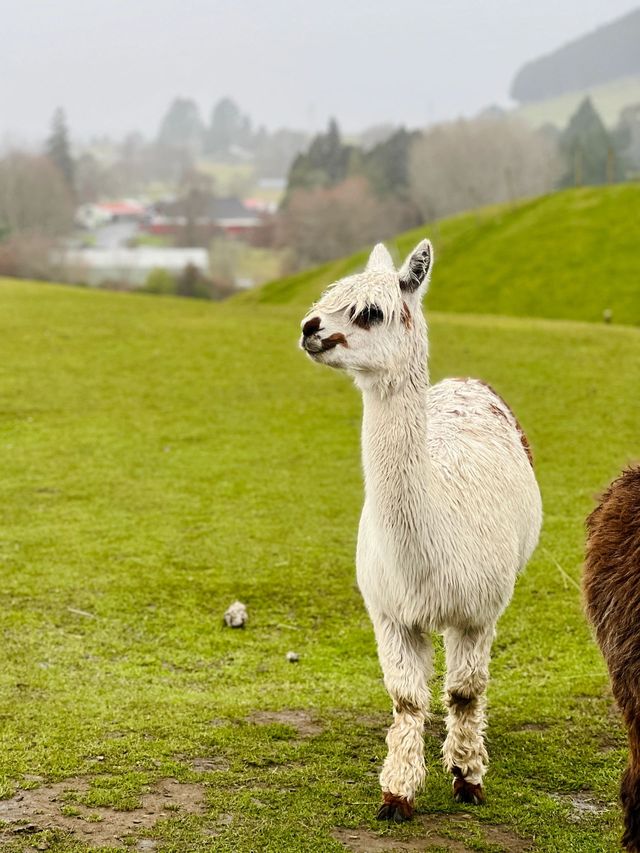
<point x="161" y="458"/>
<point x="569" y="255"/>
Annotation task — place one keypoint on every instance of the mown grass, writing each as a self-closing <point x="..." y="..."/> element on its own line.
<point x="570" y="255"/>
<point x="161" y="458"/>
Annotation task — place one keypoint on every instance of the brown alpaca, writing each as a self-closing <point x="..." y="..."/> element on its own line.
<point x="612" y="591"/>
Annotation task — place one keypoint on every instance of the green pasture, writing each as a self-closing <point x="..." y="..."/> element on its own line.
<point x="570" y="255"/>
<point x="162" y="457"/>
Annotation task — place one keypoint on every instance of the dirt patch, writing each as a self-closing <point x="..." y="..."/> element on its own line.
<point x="583" y="805"/>
<point x="533" y="727"/>
<point x="437" y="830"/>
<point x="37" y="809"/>
<point x="506" y="838"/>
<point x="301" y="721"/>
<point x="367" y="841"/>
<point x="611" y="743"/>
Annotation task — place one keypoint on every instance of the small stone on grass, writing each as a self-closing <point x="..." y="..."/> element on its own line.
<point x="236" y="615"/>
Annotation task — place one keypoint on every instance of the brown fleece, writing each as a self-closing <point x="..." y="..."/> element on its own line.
<point x="611" y="584"/>
<point x="523" y="438"/>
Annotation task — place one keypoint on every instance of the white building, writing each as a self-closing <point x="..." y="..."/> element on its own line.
<point x="130" y="267"/>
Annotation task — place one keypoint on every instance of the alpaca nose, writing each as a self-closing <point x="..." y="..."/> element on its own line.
<point x="311" y="327"/>
<point x="311" y="341"/>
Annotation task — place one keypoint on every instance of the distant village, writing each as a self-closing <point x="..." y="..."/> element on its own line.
<point x="212" y="205"/>
<point x="125" y="240"/>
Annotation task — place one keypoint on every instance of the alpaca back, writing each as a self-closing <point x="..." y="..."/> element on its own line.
<point x="442" y="541"/>
<point x="612" y="592"/>
<point x="476" y="440"/>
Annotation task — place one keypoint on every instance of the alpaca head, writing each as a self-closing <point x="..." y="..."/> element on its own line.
<point x="371" y="324"/>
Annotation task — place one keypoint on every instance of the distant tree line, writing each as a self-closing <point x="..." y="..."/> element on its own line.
<point x="229" y="135"/>
<point x="340" y="197"/>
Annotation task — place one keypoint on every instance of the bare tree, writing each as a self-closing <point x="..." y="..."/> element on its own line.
<point x="33" y="196"/>
<point x="35" y="208"/>
<point x="328" y="222"/>
<point x="467" y="164"/>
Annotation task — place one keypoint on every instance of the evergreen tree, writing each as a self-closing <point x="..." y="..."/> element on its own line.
<point x="327" y="162"/>
<point x="182" y="126"/>
<point x="588" y="149"/>
<point x="58" y="148"/>
<point x="228" y="127"/>
<point x="386" y="165"/>
<point x="627" y="139"/>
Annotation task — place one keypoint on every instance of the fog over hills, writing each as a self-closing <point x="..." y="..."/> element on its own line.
<point x="609" y="53"/>
<point x="115" y="66"/>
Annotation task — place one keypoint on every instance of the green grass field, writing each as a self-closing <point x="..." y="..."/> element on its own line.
<point x="161" y="458"/>
<point x="569" y="256"/>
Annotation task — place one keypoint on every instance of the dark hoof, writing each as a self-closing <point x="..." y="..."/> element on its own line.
<point x="467" y="792"/>
<point x="397" y="809"/>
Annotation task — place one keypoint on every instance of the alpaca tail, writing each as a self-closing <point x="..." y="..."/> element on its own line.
<point x="630" y="791"/>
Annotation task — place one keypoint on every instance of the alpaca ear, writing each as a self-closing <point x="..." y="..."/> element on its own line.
<point x="380" y="258"/>
<point x="414" y="272"/>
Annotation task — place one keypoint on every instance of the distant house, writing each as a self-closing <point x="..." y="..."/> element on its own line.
<point x="260" y="205"/>
<point x="94" y="214"/>
<point x="228" y="216"/>
<point x="128" y="267"/>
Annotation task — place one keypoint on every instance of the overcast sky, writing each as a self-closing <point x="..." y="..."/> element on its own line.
<point x="115" y="64"/>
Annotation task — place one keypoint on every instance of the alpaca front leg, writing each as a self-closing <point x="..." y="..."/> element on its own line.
<point x="406" y="660"/>
<point x="464" y="752"/>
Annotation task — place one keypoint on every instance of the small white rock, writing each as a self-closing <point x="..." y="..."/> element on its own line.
<point x="236" y="615"/>
<point x="293" y="657"/>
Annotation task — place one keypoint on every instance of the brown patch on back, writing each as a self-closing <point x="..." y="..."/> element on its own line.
<point x="405" y="316"/>
<point x="40" y="809"/>
<point x="523" y="438"/>
<point x="498" y="411"/>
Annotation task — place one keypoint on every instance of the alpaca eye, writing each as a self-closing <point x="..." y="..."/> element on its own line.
<point x="368" y="317"/>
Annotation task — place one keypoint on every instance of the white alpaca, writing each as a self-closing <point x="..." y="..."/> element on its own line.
<point x="452" y="513"/>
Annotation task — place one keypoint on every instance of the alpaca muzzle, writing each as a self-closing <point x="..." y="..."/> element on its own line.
<point x="311" y="341"/>
<point x="314" y="344"/>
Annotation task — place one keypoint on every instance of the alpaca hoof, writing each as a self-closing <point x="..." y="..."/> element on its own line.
<point x="395" y="808"/>
<point x="467" y="792"/>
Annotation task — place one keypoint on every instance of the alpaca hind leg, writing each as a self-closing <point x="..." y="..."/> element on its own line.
<point x="464" y="753"/>
<point x="406" y="660"/>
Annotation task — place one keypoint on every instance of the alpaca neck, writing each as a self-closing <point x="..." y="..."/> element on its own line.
<point x="394" y="447"/>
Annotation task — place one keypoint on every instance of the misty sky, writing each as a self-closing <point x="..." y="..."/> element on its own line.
<point x="115" y="64"/>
